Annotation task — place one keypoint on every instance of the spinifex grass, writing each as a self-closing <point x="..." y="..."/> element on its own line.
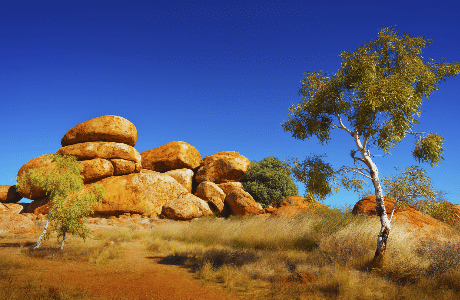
<point x="244" y="253"/>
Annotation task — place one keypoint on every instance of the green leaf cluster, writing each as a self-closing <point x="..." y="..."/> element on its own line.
<point x="429" y="149"/>
<point x="378" y="90"/>
<point x="269" y="181"/>
<point x="414" y="187"/>
<point x="67" y="208"/>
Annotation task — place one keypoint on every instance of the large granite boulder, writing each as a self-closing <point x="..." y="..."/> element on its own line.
<point x="171" y="156"/>
<point x="16" y="208"/>
<point x="108" y="128"/>
<point x="138" y="193"/>
<point x="367" y="205"/>
<point x="9" y="194"/>
<point x="11" y="222"/>
<point x="107" y="150"/>
<point x="186" y="207"/>
<point x="223" y="167"/>
<point x="292" y="206"/>
<point x="183" y="176"/>
<point x="240" y="202"/>
<point x="211" y="193"/>
<point x="31" y="191"/>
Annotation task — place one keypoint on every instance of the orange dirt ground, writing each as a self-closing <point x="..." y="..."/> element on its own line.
<point x="139" y="275"/>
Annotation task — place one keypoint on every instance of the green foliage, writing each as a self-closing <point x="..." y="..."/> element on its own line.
<point x="413" y="187"/>
<point x="67" y="208"/>
<point x="378" y="89"/>
<point x="375" y="97"/>
<point x="269" y="181"/>
<point x="316" y="175"/>
<point x="429" y="149"/>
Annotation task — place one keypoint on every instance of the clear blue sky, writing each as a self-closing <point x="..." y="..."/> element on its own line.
<point x="220" y="77"/>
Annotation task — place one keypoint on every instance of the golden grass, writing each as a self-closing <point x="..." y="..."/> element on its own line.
<point x="245" y="254"/>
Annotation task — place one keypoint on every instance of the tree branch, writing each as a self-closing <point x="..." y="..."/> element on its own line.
<point x="356" y="170"/>
<point x="343" y="126"/>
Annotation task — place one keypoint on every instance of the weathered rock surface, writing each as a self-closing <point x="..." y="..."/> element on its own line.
<point x="213" y="194"/>
<point x="38" y="206"/>
<point x="9" y="194"/>
<point x="367" y="205"/>
<point x="291" y="206"/>
<point x="420" y="224"/>
<point x="17" y="224"/>
<point x="186" y="207"/>
<point x="108" y="128"/>
<point x="171" y="156"/>
<point x="240" y="202"/>
<point x="107" y="150"/>
<point x="222" y="167"/>
<point x="95" y="169"/>
<point x="137" y="193"/>
<point x="123" y="167"/>
<point x="15" y="208"/>
<point x="183" y="176"/>
<point x="32" y="191"/>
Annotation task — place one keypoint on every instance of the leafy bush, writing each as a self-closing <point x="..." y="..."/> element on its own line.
<point x="269" y="181"/>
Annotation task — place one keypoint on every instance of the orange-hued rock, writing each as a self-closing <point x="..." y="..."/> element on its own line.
<point x="222" y="167"/>
<point x="186" y="207"/>
<point x="15" y="208"/>
<point x="123" y="166"/>
<point x="183" y="176"/>
<point x="32" y="191"/>
<point x="137" y="193"/>
<point x="95" y="169"/>
<point x="9" y="194"/>
<point x="240" y="202"/>
<point x="171" y="156"/>
<point x="228" y="187"/>
<point x="38" y="206"/>
<point x="17" y="224"/>
<point x="292" y="206"/>
<point x="213" y="194"/>
<point x="108" y="128"/>
<point x="367" y="205"/>
<point x="107" y="150"/>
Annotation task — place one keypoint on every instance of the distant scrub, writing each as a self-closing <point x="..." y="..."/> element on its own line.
<point x="269" y="181"/>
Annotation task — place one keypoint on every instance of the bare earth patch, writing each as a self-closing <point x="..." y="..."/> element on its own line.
<point x="135" y="275"/>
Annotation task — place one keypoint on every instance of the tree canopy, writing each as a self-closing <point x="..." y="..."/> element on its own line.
<point x="67" y="208"/>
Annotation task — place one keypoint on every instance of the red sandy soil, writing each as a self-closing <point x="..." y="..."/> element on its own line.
<point x="138" y="275"/>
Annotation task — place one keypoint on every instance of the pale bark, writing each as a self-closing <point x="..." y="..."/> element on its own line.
<point x="43" y="233"/>
<point x="380" y="205"/>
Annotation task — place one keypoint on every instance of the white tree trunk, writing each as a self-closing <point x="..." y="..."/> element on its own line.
<point x="380" y="205"/>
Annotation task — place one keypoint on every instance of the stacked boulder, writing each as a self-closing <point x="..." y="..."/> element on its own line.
<point x="10" y="219"/>
<point x="171" y="181"/>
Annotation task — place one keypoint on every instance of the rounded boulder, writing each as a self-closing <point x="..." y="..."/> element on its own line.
<point x="108" y="128"/>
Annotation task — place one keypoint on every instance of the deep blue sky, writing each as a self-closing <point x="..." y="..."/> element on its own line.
<point x="220" y="77"/>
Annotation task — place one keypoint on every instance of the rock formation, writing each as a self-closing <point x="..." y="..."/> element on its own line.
<point x="420" y="224"/>
<point x="171" y="180"/>
<point x="367" y="205"/>
<point x="291" y="206"/>
<point x="11" y="222"/>
<point x="9" y="194"/>
<point x="102" y="129"/>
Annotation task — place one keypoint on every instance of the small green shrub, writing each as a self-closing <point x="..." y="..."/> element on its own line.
<point x="269" y="181"/>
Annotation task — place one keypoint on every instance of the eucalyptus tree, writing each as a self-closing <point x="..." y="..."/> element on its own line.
<point x="374" y="98"/>
<point x="67" y="208"/>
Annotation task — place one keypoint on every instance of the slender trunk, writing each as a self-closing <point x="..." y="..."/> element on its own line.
<point x="382" y="238"/>
<point x="43" y="233"/>
<point x="63" y="239"/>
<point x="380" y="204"/>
